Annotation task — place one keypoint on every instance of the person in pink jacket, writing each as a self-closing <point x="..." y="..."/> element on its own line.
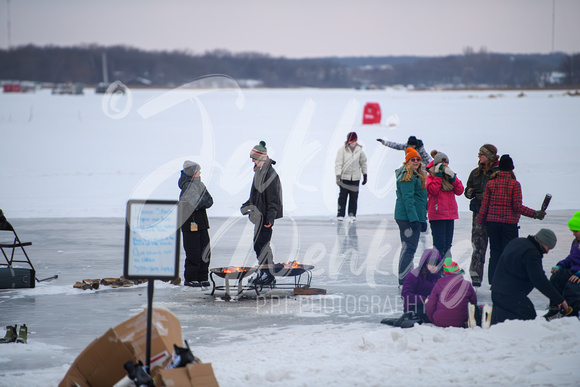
<point x="442" y="187"/>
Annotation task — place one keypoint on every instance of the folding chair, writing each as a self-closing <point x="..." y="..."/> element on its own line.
<point x="13" y="246"/>
<point x="10" y="276"/>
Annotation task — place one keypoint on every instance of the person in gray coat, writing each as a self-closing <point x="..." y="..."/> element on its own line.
<point x="194" y="199"/>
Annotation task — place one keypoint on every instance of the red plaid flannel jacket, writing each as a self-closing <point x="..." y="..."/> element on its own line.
<point x="502" y="201"/>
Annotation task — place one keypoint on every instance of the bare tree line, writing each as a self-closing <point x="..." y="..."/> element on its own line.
<point x="84" y="64"/>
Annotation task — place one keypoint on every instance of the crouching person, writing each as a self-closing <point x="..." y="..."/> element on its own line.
<point x="447" y="305"/>
<point x="519" y="271"/>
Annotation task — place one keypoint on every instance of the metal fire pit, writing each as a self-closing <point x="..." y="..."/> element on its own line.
<point x="290" y="269"/>
<point x="230" y="273"/>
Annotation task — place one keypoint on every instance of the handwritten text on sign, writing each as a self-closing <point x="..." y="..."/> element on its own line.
<point x="153" y="240"/>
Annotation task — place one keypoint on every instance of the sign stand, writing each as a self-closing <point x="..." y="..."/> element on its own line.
<point x="151" y="249"/>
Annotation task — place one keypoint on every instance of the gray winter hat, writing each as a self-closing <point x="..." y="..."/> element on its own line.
<point x="190" y="168"/>
<point x="440" y="157"/>
<point x="547" y="237"/>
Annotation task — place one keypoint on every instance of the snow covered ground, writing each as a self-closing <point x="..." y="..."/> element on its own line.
<point x="70" y="163"/>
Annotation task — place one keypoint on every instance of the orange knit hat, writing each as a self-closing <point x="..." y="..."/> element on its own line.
<point x="411" y="152"/>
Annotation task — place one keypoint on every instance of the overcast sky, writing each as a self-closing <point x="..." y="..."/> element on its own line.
<point x="298" y="28"/>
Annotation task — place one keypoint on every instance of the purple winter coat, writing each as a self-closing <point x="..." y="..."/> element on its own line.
<point x="447" y="305"/>
<point x="572" y="261"/>
<point x="419" y="283"/>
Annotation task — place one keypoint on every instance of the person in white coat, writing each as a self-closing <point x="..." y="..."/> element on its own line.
<point x="350" y="165"/>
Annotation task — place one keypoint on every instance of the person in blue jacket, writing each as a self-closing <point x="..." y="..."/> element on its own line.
<point x="410" y="209"/>
<point x="566" y="274"/>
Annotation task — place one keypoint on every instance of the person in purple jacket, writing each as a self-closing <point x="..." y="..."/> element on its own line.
<point x="447" y="304"/>
<point x="420" y="281"/>
<point x="566" y="274"/>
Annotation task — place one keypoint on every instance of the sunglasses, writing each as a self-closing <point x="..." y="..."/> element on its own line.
<point x="414" y="159"/>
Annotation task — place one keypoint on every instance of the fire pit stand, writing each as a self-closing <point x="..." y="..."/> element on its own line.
<point x="231" y="273"/>
<point x="292" y="269"/>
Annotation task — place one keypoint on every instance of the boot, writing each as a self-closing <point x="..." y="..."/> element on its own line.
<point x="11" y="335"/>
<point x="23" y="334"/>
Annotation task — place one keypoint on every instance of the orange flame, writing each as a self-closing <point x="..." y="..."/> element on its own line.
<point x="233" y="269"/>
<point x="292" y="265"/>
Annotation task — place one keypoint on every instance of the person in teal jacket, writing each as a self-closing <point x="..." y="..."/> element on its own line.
<point x="410" y="209"/>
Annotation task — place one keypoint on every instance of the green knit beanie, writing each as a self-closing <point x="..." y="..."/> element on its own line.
<point x="574" y="222"/>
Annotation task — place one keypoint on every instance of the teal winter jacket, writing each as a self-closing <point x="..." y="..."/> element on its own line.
<point x="411" y="204"/>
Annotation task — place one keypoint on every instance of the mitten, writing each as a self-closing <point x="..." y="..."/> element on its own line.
<point x="439" y="170"/>
<point x="364" y="179"/>
<point x="449" y="173"/>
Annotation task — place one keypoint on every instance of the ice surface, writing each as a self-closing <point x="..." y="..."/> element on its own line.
<point x="68" y="170"/>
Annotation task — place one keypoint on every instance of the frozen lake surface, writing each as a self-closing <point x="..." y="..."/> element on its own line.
<point x="245" y="340"/>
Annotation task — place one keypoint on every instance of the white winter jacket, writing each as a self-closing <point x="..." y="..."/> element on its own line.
<point x="350" y="164"/>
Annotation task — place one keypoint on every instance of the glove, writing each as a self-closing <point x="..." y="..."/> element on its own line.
<point x="380" y="140"/>
<point x="246" y="209"/>
<point x="539" y="214"/>
<point x="338" y="180"/>
<point x="423" y="226"/>
<point x="364" y="179"/>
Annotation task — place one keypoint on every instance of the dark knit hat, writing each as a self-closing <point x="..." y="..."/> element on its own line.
<point x="574" y="222"/>
<point x="506" y="163"/>
<point x="412" y="141"/>
<point x="351" y="137"/>
<point x="259" y="152"/>
<point x="547" y="237"/>
<point x="419" y="143"/>
<point x="190" y="168"/>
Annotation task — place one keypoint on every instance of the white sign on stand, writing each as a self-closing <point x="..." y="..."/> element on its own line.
<point x="152" y="240"/>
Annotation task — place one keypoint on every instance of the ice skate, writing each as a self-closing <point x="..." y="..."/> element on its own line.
<point x="471" y="323"/>
<point x="486" y="316"/>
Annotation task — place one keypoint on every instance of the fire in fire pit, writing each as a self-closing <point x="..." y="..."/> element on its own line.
<point x="288" y="269"/>
<point x="233" y="272"/>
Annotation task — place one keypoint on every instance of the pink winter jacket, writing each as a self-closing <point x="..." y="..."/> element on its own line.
<point x="441" y="205"/>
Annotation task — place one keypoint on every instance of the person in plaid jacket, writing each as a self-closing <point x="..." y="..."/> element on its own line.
<point x="501" y="210"/>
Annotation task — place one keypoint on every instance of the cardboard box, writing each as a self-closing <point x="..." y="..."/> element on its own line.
<point x="198" y="375"/>
<point x="101" y="363"/>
